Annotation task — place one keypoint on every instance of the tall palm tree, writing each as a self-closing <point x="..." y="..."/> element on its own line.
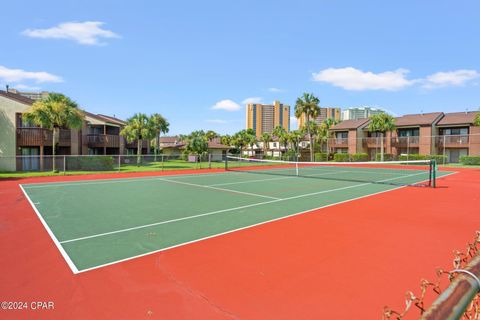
<point x="137" y="129"/>
<point x="158" y="125"/>
<point x="54" y="112"/>
<point x="266" y="138"/>
<point x="308" y="105"/>
<point x="294" y="139"/>
<point x="381" y="123"/>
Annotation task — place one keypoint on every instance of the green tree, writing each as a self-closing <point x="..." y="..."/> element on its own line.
<point x="196" y="143"/>
<point x="244" y="138"/>
<point x="282" y="136"/>
<point x="327" y="124"/>
<point x="477" y="120"/>
<point x="54" y="112"/>
<point x="211" y="135"/>
<point x="308" y="105"/>
<point x="158" y="125"/>
<point x="266" y="138"/>
<point x="138" y="129"/>
<point x="381" y="123"/>
<point x="226" y="140"/>
<point x="294" y="138"/>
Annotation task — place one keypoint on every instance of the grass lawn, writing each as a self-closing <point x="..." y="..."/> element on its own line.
<point x="152" y="166"/>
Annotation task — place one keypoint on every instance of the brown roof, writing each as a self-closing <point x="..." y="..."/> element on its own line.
<point x="175" y="142"/>
<point x="422" y="119"/>
<point x="458" y="118"/>
<point x="350" y="124"/>
<point x="16" y="97"/>
<point x="113" y="119"/>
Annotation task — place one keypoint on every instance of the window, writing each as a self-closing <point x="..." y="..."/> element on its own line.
<point x="414" y="132"/>
<point x="454" y="131"/>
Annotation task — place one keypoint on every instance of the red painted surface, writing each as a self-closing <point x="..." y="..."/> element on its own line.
<point x="341" y="262"/>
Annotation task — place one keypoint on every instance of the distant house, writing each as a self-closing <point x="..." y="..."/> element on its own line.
<point x="174" y="146"/>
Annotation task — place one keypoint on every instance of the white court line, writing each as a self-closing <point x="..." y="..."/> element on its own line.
<point x="52" y="235"/>
<point x="243" y="228"/>
<point x="228" y="210"/>
<point x="219" y="189"/>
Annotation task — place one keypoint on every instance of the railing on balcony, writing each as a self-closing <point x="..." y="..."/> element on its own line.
<point x="134" y="144"/>
<point x="373" y="142"/>
<point x="102" y="140"/>
<point x="452" y="140"/>
<point x="41" y="137"/>
<point x="403" y="142"/>
<point x="338" y="142"/>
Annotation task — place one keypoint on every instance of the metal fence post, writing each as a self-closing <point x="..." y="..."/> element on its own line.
<point x="64" y="164"/>
<point x="444" y="155"/>
<point x="119" y="162"/>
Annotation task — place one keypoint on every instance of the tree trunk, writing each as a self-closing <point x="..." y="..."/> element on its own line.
<point x="54" y="134"/>
<point x="381" y="146"/>
<point x="139" y="151"/>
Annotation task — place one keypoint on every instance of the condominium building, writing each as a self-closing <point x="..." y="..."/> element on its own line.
<point x="325" y="113"/>
<point x="265" y="117"/>
<point x="359" y="113"/>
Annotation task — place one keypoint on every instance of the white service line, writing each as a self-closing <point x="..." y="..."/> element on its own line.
<point x="229" y="209"/>
<point x="219" y="189"/>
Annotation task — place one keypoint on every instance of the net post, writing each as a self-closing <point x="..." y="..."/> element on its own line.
<point x="226" y="162"/>
<point x="64" y="164"/>
<point x="434" y="173"/>
<point x="119" y="162"/>
<point x="296" y="168"/>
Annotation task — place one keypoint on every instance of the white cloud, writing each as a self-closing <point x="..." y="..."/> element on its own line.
<point x="17" y="75"/>
<point x="87" y="33"/>
<point x="450" y="78"/>
<point x="252" y="100"/>
<point x="227" y="105"/>
<point x="275" y="90"/>
<point x="217" y="121"/>
<point x="353" y="79"/>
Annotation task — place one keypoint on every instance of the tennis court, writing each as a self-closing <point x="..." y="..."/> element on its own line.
<point x="95" y="223"/>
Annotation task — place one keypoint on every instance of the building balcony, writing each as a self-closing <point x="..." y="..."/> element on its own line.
<point x="102" y="140"/>
<point x="338" y="142"/>
<point x="134" y="144"/>
<point x="373" y="142"/>
<point x="31" y="137"/>
<point x="453" y="141"/>
<point x="405" y="142"/>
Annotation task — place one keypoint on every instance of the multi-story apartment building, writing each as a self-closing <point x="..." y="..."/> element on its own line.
<point x="325" y="113"/>
<point x="265" y="117"/>
<point x="100" y="135"/>
<point x="359" y="113"/>
<point x="348" y="136"/>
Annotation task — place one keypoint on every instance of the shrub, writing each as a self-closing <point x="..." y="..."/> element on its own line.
<point x="438" y="158"/>
<point x="341" y="157"/>
<point x="470" y="160"/>
<point x="386" y="157"/>
<point x="358" y="157"/>
<point x="95" y="163"/>
<point x="290" y="155"/>
<point x="413" y="156"/>
<point x="320" y="156"/>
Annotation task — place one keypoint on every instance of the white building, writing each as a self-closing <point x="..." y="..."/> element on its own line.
<point x="359" y="113"/>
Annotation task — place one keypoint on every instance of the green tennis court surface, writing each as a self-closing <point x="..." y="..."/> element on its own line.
<point x="99" y="222"/>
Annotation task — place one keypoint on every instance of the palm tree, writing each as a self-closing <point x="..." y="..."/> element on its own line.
<point x="266" y="138"/>
<point x="282" y="136"/>
<point x="138" y="128"/>
<point x="196" y="143"/>
<point x="477" y="120"/>
<point x="381" y="123"/>
<point x="328" y="124"/>
<point x="158" y="124"/>
<point x="54" y="112"/>
<point x="307" y="105"/>
<point x="294" y="139"/>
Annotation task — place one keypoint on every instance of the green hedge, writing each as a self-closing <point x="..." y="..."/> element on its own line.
<point x="320" y="156"/>
<point x="341" y="157"/>
<point x="470" y="160"/>
<point x="386" y="157"/>
<point x="96" y="163"/>
<point x="358" y="157"/>
<point x="437" y="157"/>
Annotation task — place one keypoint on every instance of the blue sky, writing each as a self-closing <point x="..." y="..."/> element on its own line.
<point x="197" y="62"/>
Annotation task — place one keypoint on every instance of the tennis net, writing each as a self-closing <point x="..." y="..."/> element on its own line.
<point x="411" y="173"/>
